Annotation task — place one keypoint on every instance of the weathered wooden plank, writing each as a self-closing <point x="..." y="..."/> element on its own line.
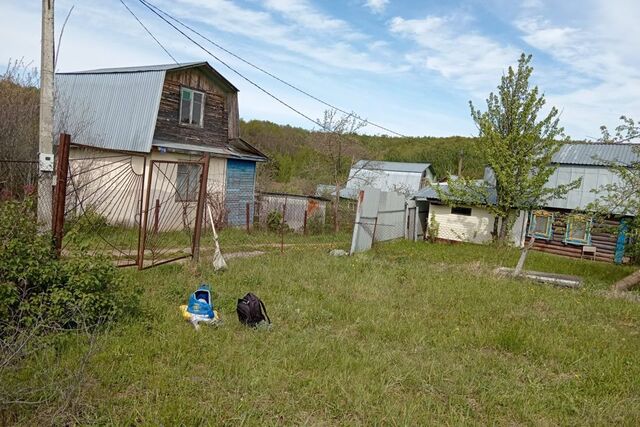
<point x="214" y="131"/>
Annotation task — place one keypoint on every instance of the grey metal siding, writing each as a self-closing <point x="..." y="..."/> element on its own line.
<point x="115" y="111"/>
<point x="240" y="191"/>
<point x="593" y="178"/>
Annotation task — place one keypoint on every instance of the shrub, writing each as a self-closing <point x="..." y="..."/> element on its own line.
<point x="37" y="287"/>
<point x="274" y="221"/>
<point x="87" y="222"/>
<point x="315" y="223"/>
<point x="433" y="229"/>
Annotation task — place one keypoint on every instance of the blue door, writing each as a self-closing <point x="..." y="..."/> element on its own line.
<point x="240" y="191"/>
<point x="620" y="243"/>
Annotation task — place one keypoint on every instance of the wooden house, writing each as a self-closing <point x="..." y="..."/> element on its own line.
<point x="166" y="119"/>
<point x="562" y="226"/>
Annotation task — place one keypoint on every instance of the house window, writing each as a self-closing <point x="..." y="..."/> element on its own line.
<point x="191" y="107"/>
<point x="541" y="225"/>
<point x="187" y="182"/>
<point x="578" y="230"/>
<point x="456" y="210"/>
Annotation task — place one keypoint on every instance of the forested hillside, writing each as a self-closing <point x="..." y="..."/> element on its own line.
<point x="299" y="161"/>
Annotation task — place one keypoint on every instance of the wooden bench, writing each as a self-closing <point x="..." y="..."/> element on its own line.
<point x="589" y="251"/>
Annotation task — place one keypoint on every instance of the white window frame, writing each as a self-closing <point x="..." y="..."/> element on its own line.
<point x="193" y="92"/>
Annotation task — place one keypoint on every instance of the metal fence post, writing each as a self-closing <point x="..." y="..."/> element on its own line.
<point x="144" y="216"/>
<point x="248" y="213"/>
<point x="202" y="195"/>
<point x="304" y="223"/>
<point x="156" y="217"/>
<point x="139" y="259"/>
<point x="373" y="236"/>
<point x="60" y="195"/>
<point x="284" y="214"/>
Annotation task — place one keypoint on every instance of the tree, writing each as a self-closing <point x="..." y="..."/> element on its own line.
<point x="19" y="106"/>
<point x="623" y="197"/>
<point x="518" y="146"/>
<point x="338" y="140"/>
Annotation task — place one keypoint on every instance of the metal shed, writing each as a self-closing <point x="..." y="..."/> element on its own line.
<point x="300" y="210"/>
<point x="402" y="177"/>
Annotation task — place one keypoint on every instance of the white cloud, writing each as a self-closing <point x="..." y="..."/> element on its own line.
<point x="376" y="6"/>
<point x="594" y="76"/>
<point x="331" y="43"/>
<point x="302" y="13"/>
<point x="472" y="60"/>
<point x="532" y="4"/>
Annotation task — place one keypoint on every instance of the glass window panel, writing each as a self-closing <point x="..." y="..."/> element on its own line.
<point x="194" y="178"/>
<point x="542" y="224"/>
<point x="185" y="108"/>
<point x="197" y="110"/>
<point x="578" y="230"/>
<point x="182" y="179"/>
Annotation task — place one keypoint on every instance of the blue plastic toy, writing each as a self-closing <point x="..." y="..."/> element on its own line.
<point x="200" y="302"/>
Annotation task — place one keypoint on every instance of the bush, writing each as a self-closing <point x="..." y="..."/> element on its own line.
<point x="37" y="287"/>
<point x="316" y="224"/>
<point x="87" y="222"/>
<point x="433" y="229"/>
<point x="274" y="221"/>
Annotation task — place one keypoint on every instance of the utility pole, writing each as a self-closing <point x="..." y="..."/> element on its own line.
<point x="45" y="146"/>
<point x="460" y="156"/>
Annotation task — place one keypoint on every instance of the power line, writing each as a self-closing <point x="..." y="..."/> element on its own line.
<point x="292" y="108"/>
<point x="147" y="30"/>
<point x="159" y="11"/>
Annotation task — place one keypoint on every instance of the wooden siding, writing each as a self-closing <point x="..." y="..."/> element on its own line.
<point x="240" y="191"/>
<point x="604" y="237"/>
<point x="215" y="130"/>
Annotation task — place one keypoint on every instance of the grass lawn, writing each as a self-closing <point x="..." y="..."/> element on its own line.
<point x="408" y="334"/>
<point x="111" y="239"/>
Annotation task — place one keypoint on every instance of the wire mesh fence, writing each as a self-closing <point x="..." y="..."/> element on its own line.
<point x="277" y="223"/>
<point x="19" y="179"/>
<point x="142" y="212"/>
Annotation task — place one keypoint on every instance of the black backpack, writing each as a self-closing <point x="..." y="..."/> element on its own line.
<point x="251" y="310"/>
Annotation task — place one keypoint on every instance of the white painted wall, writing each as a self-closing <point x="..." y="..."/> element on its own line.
<point x="476" y="228"/>
<point x="104" y="183"/>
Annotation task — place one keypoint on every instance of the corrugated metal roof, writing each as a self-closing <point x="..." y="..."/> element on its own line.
<point x="430" y="193"/>
<point x="164" y="68"/>
<point x="392" y="166"/>
<point x="115" y="111"/>
<point x="299" y="196"/>
<point x="117" y="108"/>
<point x="323" y="190"/>
<point x="140" y="69"/>
<point x="597" y="154"/>
<point x="228" y="152"/>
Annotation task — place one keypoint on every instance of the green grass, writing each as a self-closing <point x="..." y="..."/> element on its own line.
<point x="169" y="242"/>
<point x="407" y="334"/>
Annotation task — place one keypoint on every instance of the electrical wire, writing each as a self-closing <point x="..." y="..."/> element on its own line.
<point x="148" y="32"/>
<point x="292" y="108"/>
<point x="159" y="12"/>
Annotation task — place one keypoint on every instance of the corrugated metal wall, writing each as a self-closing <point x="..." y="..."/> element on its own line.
<point x="240" y="191"/>
<point x="593" y="178"/>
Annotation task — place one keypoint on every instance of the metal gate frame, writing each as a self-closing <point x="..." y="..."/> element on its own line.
<point x="200" y="205"/>
<point x="64" y="178"/>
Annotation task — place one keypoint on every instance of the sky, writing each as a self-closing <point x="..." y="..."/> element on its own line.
<point x="411" y="66"/>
